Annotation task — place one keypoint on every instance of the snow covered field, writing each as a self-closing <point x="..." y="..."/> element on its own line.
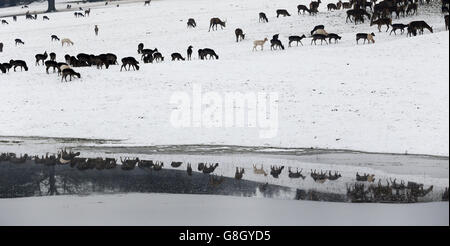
<point x="391" y="96"/>
<point x="164" y="210"/>
<point x="388" y="97"/>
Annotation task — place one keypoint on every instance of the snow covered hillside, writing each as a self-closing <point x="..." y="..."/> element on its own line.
<point x="391" y="96"/>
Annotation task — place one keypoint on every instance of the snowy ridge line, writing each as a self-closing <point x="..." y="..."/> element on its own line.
<point x="111" y="145"/>
<point x="61" y="7"/>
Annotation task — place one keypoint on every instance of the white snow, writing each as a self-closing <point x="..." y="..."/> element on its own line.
<point x="198" y="210"/>
<point x="388" y="97"/>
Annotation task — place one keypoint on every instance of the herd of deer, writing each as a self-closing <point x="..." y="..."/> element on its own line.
<point x="382" y="14"/>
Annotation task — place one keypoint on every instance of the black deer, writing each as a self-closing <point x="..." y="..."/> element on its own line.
<point x="263" y="17"/>
<point x="239" y="34"/>
<point x="282" y="12"/>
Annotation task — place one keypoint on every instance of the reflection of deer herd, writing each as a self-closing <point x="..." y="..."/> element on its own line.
<point x="362" y="190"/>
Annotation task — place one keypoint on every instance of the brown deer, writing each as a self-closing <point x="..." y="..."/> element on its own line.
<point x="214" y="22"/>
<point x="259" y="171"/>
<point x="381" y="22"/>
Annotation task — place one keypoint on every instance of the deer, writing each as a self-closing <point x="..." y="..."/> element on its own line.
<point x="263" y="17"/>
<point x="318" y="27"/>
<point x="396" y="27"/>
<point x="18" y="63"/>
<point x="381" y="22"/>
<point x="334" y="36"/>
<point x="189" y="169"/>
<point x="140" y="48"/>
<point x="411" y="8"/>
<point x="41" y="57"/>
<point x="214" y="22"/>
<point x="206" y="51"/>
<point x="210" y="169"/>
<point x="148" y="52"/>
<point x="297" y="39"/>
<point x="200" y="166"/>
<point x="282" y="12"/>
<point x="177" y="56"/>
<point x="239" y="34"/>
<point x="66" y="41"/>
<point x="239" y="173"/>
<point x="321" y="37"/>
<point x="55" y="38"/>
<point x="191" y="23"/>
<point x="366" y="37"/>
<point x="158" y="166"/>
<point x="69" y="72"/>
<point x="276" y="171"/>
<point x="176" y="164"/>
<point x="129" y="164"/>
<point x="260" y="43"/>
<point x="333" y="177"/>
<point x="303" y="8"/>
<point x="131" y="62"/>
<point x="19" y="41"/>
<point x="259" y="171"/>
<point x="315" y="5"/>
<point x="51" y="64"/>
<point x="189" y="52"/>
<point x="145" y="164"/>
<point x="331" y="6"/>
<point x="319" y="178"/>
<point x="296" y="175"/>
<point x="420" y="25"/>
